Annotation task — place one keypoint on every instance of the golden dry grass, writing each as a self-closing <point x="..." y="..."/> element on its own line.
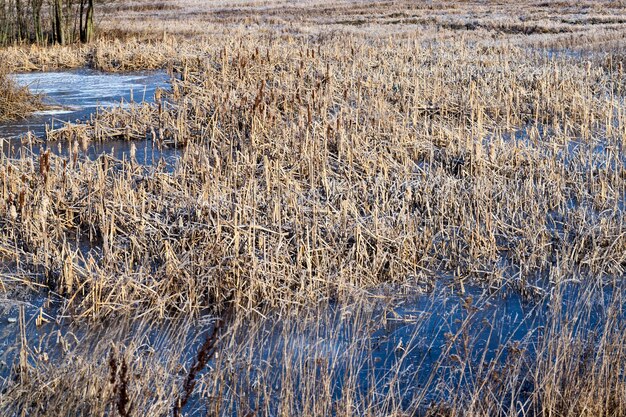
<point x="326" y="150"/>
<point x="16" y="102"/>
<point x="310" y="170"/>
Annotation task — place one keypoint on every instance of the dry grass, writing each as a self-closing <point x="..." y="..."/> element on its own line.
<point x="16" y="102"/>
<point x="311" y="170"/>
<point x="584" y="25"/>
<point x="325" y="361"/>
<point x="315" y="167"/>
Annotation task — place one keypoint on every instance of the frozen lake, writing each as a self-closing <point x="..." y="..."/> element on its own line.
<point x="74" y="96"/>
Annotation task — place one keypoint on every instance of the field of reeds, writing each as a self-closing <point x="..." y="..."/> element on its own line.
<point x="377" y="209"/>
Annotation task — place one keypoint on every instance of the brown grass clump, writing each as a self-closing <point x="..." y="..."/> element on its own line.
<point x="16" y="102"/>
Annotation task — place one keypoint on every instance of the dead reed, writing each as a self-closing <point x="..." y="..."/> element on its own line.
<point x="16" y="102"/>
<point x="314" y="167"/>
<point x="309" y="171"/>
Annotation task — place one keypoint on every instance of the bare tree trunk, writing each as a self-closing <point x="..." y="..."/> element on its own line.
<point x="86" y="27"/>
<point x="4" y="22"/>
<point x="19" y="17"/>
<point x="58" y="22"/>
<point x="36" y="6"/>
<point x="89" y="22"/>
<point x="81" y="26"/>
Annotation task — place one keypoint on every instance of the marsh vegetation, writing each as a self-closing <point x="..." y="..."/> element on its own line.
<point x="16" y="101"/>
<point x="375" y="209"/>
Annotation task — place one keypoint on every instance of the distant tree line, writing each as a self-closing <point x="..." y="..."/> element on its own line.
<point x="46" y="21"/>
